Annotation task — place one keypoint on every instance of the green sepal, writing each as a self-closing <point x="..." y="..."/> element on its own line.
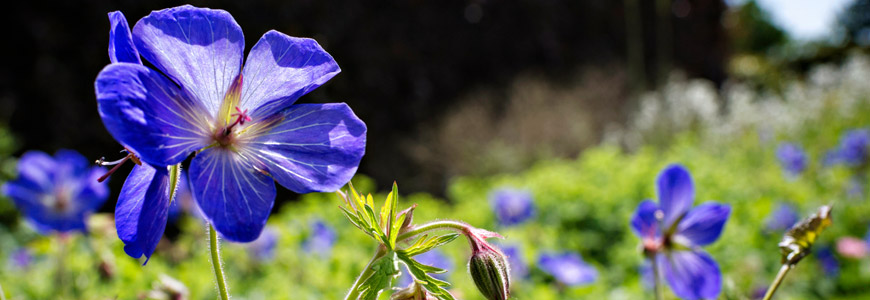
<point x="797" y="242"/>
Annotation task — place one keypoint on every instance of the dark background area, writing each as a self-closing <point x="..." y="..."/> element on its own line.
<point x="404" y="63"/>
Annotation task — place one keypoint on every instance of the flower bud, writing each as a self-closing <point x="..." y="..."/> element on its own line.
<point x="490" y="271"/>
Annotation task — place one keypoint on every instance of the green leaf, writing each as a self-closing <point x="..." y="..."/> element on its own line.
<point x="421" y="273"/>
<point x="424" y="244"/>
<point x="356" y="221"/>
<point x="797" y="242"/>
<point x="384" y="270"/>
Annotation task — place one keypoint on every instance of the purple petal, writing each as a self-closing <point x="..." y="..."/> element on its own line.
<point x="121" y="48"/>
<point x="314" y="148"/>
<point x="234" y="196"/>
<point x="199" y="48"/>
<point x="147" y="113"/>
<point x="35" y="169"/>
<point x="280" y="69"/>
<point x="703" y="224"/>
<point x="676" y="193"/>
<point x="142" y="210"/>
<point x="644" y="223"/>
<point x="320" y="240"/>
<point x="691" y="274"/>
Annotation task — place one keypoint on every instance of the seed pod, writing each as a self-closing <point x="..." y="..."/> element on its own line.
<point x="490" y="271"/>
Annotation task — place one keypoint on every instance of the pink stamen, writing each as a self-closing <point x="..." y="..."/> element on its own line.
<point x="241" y="118"/>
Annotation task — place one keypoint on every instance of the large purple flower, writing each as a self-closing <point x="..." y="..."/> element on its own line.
<point x="56" y="193"/>
<point x="568" y="268"/>
<point x="242" y="123"/>
<point x="673" y="232"/>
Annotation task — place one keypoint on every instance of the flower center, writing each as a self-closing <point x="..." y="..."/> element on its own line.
<point x="224" y="136"/>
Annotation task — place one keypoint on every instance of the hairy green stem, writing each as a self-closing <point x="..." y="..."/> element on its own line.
<point x="436" y="225"/>
<point x="216" y="263"/>
<point x="779" y="277"/>
<point x="353" y="294"/>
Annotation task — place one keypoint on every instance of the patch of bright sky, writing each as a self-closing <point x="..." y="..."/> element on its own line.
<point x="803" y="19"/>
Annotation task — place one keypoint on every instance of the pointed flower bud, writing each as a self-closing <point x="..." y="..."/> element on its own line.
<point x="488" y="266"/>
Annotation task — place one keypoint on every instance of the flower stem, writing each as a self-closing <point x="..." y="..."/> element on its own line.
<point x="216" y="263"/>
<point x="656" y="278"/>
<point x="2" y="294"/>
<point x="353" y="294"/>
<point x="779" y="276"/>
<point x="451" y="225"/>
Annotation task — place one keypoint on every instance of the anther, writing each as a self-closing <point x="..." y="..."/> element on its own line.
<point x="117" y="164"/>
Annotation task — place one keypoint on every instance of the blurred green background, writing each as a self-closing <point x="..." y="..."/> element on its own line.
<point x="587" y="139"/>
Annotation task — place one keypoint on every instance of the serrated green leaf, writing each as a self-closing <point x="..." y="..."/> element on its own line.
<point x="420" y="272"/>
<point x="384" y="270"/>
<point x="385" y="213"/>
<point x="424" y="244"/>
<point x="356" y="221"/>
<point x="375" y="227"/>
<point x="394" y="230"/>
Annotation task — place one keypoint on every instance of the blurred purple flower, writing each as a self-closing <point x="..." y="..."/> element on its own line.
<point x="239" y="116"/>
<point x="781" y="219"/>
<point x="433" y="258"/>
<point x="56" y="194"/>
<point x="568" y="268"/>
<point x="518" y="267"/>
<point x="828" y="261"/>
<point x="853" y="147"/>
<point x="673" y="232"/>
<point x="320" y="240"/>
<point x="21" y="258"/>
<point x="263" y="248"/>
<point x="792" y="158"/>
<point x="512" y="206"/>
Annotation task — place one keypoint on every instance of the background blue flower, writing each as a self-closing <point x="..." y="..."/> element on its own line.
<point x="56" y="193"/>
<point x="320" y="239"/>
<point x="853" y="147"/>
<point x="792" y="158"/>
<point x="782" y="218"/>
<point x="519" y="268"/>
<point x="568" y="268"/>
<point x="512" y="206"/>
<point x="263" y="248"/>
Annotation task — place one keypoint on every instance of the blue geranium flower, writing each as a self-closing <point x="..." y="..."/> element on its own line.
<point x="828" y="261"/>
<point x="673" y="232"/>
<point x="433" y="258"/>
<point x="782" y="218"/>
<point x="792" y="159"/>
<point x="320" y="240"/>
<point x="242" y="123"/>
<point x="512" y="206"/>
<point x="568" y="268"/>
<point x="853" y="147"/>
<point x="519" y="269"/>
<point x="56" y="193"/>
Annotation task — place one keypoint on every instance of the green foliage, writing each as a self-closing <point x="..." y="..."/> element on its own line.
<point x="797" y="242"/>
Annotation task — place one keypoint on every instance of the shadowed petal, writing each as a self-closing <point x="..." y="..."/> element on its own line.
<point x="234" y="196"/>
<point x="144" y="111"/>
<point x="199" y="48"/>
<point x="314" y="148"/>
<point x="142" y="210"/>
<point x="280" y="69"/>
<point x="691" y="274"/>
<point x="644" y="223"/>
<point x="35" y="169"/>
<point x="121" y="47"/>
<point x="676" y="193"/>
<point x="703" y="224"/>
